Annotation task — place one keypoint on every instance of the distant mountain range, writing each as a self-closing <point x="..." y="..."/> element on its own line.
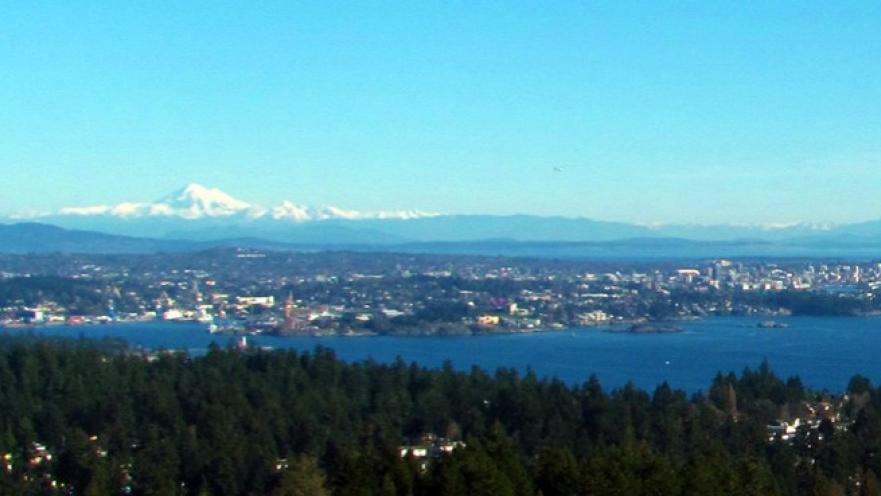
<point x="198" y="217"/>
<point x="42" y="238"/>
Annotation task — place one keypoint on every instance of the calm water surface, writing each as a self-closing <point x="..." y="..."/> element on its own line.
<point x="825" y="352"/>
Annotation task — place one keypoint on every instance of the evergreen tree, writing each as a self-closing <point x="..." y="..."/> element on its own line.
<point x="303" y="477"/>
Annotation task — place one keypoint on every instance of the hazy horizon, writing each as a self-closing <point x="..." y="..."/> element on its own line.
<point x="266" y="210"/>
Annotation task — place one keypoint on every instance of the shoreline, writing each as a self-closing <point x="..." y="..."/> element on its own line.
<point x="614" y="327"/>
<point x="727" y="340"/>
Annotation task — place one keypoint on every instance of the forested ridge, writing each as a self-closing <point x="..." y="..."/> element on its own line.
<point x="85" y="417"/>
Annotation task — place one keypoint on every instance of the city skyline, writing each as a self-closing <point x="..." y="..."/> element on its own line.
<point x="664" y="113"/>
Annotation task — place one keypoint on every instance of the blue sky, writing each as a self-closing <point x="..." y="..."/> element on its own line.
<point x="735" y="112"/>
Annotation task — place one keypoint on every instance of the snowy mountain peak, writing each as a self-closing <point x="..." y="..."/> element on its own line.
<point x="195" y="201"/>
<point x="291" y="211"/>
<point x="196" y="193"/>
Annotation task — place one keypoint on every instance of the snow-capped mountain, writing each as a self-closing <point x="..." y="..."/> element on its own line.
<point x="197" y="213"/>
<point x="191" y="202"/>
<point x="195" y="201"/>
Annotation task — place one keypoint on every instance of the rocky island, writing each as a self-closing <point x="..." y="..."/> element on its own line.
<point x="650" y="328"/>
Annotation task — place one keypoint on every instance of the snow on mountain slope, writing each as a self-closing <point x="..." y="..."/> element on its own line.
<point x="195" y="201"/>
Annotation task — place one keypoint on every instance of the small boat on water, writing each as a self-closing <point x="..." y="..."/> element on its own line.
<point x="225" y="327"/>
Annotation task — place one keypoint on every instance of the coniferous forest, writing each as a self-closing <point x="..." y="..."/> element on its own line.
<point x="88" y="417"/>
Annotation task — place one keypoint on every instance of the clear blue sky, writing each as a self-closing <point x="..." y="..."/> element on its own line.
<point x="655" y="112"/>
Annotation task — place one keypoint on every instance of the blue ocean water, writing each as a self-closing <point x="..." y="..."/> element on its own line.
<point x="824" y="352"/>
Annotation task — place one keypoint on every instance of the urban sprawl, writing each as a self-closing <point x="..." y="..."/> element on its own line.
<point x="349" y="293"/>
